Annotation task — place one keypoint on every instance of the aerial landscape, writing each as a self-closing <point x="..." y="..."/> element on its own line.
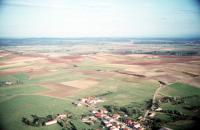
<point x="94" y="81"/>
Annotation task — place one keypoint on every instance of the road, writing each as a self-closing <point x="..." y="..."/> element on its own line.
<point x="153" y="100"/>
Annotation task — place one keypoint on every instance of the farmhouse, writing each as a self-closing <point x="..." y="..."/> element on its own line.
<point x="59" y="117"/>
<point x="98" y="115"/>
<point x="89" y="120"/>
<point x="51" y="122"/>
<point x="114" y="128"/>
<point x="88" y="101"/>
<point x="116" y="116"/>
<point x="158" y="109"/>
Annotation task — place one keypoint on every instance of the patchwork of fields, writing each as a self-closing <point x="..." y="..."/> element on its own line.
<point x="43" y="83"/>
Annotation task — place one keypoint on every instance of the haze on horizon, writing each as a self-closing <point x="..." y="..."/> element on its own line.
<point x="99" y="18"/>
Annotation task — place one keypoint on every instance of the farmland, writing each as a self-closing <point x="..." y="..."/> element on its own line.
<point x="46" y="79"/>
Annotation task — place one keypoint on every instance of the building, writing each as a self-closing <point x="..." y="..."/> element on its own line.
<point x="98" y="115"/>
<point x="114" y="128"/>
<point x="51" y="122"/>
<point x="61" y="116"/>
<point x="116" y="116"/>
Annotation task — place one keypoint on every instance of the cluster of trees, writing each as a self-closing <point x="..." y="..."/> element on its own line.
<point x="173" y="100"/>
<point x="9" y="83"/>
<point x="176" y="53"/>
<point x="153" y="124"/>
<point x="38" y="121"/>
<point x="175" y="114"/>
<point x="128" y="110"/>
<point x="149" y="103"/>
<point x="66" y="125"/>
<point x="2" y="83"/>
<point x="192" y="96"/>
<point x="176" y="100"/>
<point x="192" y="108"/>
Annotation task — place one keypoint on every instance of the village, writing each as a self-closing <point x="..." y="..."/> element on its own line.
<point x="101" y="117"/>
<point x="108" y="120"/>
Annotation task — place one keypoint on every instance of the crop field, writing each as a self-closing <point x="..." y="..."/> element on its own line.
<point x="48" y="80"/>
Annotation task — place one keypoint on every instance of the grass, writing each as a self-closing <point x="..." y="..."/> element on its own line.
<point x="183" y="125"/>
<point x="12" y="111"/>
<point x="10" y="91"/>
<point x="24" y="106"/>
<point x="180" y="89"/>
<point x="14" y="77"/>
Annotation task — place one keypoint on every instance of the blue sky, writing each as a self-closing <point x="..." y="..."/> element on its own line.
<point x="99" y="18"/>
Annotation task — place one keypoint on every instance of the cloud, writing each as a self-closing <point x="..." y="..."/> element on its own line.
<point x="34" y="4"/>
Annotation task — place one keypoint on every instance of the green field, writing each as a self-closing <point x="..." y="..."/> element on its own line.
<point x="191" y="96"/>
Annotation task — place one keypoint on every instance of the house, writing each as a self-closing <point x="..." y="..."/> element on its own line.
<point x="87" y="121"/>
<point x="92" y="118"/>
<point x="125" y="129"/>
<point x="51" y="122"/>
<point x="158" y="109"/>
<point x="8" y="83"/>
<point x="105" y="121"/>
<point x="61" y="116"/>
<point x="114" y="128"/>
<point x="152" y="114"/>
<point x="94" y="111"/>
<point x="116" y="116"/>
<point x="165" y="128"/>
<point x="103" y="111"/>
<point x="88" y="101"/>
<point x="83" y="100"/>
<point x="99" y="100"/>
<point x="108" y="124"/>
<point x="141" y="128"/>
<point x="129" y="122"/>
<point x="79" y="104"/>
<point x="98" y="115"/>
<point x="137" y="125"/>
<point x="107" y="118"/>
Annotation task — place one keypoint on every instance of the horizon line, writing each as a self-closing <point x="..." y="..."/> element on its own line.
<point x="93" y="37"/>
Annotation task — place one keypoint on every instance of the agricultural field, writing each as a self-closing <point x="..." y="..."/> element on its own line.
<point x="46" y="79"/>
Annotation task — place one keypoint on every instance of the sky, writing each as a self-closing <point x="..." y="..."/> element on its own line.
<point x="99" y="18"/>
